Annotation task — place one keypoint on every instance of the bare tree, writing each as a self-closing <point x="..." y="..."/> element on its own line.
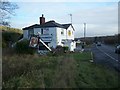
<point x="6" y="10"/>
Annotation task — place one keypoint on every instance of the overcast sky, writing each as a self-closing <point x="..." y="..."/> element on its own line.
<point x="100" y="17"/>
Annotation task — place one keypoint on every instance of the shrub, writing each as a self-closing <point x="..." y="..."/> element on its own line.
<point x="10" y="37"/>
<point x="78" y="44"/>
<point x="4" y="44"/>
<point x="23" y="48"/>
<point x="58" y="50"/>
<point x="66" y="48"/>
<point x="109" y="40"/>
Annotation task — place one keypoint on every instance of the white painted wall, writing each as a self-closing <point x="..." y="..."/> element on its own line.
<point x="52" y="33"/>
<point x="36" y="30"/>
<point x="59" y="35"/>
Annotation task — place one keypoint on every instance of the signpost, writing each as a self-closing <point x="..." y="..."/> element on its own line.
<point x="34" y="42"/>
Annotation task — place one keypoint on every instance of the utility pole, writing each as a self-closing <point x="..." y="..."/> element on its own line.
<point x="71" y="17"/>
<point x="84" y="31"/>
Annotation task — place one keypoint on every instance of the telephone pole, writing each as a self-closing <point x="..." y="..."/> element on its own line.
<point x="84" y="31"/>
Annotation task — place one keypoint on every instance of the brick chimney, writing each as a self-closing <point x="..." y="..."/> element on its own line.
<point x="42" y="20"/>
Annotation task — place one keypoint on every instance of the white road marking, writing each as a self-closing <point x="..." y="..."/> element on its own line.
<point x="108" y="55"/>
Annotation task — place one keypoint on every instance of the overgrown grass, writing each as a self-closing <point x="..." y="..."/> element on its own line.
<point x="91" y="75"/>
<point x="82" y="56"/>
<point x="71" y="70"/>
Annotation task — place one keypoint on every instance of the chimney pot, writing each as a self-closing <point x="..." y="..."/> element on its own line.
<point x="42" y="20"/>
<point x="42" y="15"/>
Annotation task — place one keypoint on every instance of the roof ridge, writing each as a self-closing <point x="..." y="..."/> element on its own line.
<point x="50" y="23"/>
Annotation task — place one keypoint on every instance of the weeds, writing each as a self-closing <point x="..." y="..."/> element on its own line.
<point x="72" y="70"/>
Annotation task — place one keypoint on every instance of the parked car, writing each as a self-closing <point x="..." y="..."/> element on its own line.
<point x="98" y="43"/>
<point x="117" y="49"/>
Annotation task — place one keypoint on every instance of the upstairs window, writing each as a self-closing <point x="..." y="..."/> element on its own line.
<point x="42" y="31"/>
<point x="62" y="32"/>
<point x="45" y="31"/>
<point x="69" y="33"/>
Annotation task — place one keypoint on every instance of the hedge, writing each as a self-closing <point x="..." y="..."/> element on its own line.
<point x="23" y="48"/>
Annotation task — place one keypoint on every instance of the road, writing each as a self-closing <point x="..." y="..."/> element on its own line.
<point x="105" y="55"/>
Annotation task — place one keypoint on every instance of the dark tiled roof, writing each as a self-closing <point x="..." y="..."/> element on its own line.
<point x="51" y="24"/>
<point x="31" y="27"/>
<point x="66" y="25"/>
<point x="48" y="24"/>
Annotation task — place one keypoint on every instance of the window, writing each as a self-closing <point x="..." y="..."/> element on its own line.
<point x="42" y="31"/>
<point x="62" y="32"/>
<point x="69" y="33"/>
<point x="45" y="31"/>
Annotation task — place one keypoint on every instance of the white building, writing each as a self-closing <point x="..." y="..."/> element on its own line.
<point x="52" y="33"/>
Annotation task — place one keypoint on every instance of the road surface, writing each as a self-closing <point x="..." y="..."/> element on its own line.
<point x="105" y="55"/>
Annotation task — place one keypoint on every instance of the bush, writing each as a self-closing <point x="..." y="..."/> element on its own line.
<point x="8" y="38"/>
<point x="78" y="44"/>
<point x="110" y="40"/>
<point x="4" y="44"/>
<point x="58" y="50"/>
<point x="66" y="48"/>
<point x="23" y="48"/>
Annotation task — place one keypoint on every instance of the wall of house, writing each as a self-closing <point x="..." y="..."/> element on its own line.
<point x="60" y="35"/>
<point x="50" y="36"/>
<point x="36" y="30"/>
<point x="70" y="33"/>
<point x="52" y="33"/>
<point x="25" y="34"/>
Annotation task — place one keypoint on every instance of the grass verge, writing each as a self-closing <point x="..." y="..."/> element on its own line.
<point x="73" y="70"/>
